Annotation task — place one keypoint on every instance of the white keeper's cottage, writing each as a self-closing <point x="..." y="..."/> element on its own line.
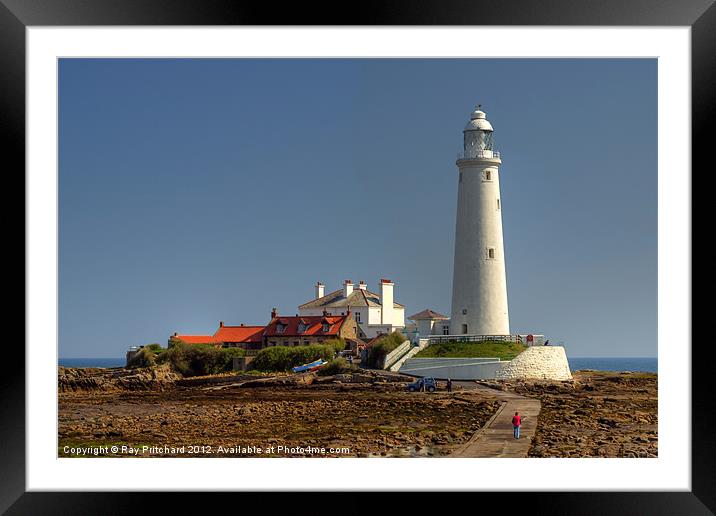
<point x="374" y="313"/>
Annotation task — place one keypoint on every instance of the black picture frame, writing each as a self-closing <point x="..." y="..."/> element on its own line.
<point x="17" y="15"/>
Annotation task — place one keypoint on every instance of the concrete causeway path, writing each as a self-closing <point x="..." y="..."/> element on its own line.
<point x="496" y="438"/>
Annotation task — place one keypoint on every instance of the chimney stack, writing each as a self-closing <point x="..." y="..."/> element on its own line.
<point x="273" y="313"/>
<point x="221" y="324"/>
<point x="347" y="288"/>
<point x="386" y="301"/>
<point x="319" y="290"/>
<point x="362" y="285"/>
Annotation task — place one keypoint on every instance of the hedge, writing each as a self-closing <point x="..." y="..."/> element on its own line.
<point x="283" y="358"/>
<point x="199" y="359"/>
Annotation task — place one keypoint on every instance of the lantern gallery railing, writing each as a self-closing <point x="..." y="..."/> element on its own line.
<point x="476" y="154"/>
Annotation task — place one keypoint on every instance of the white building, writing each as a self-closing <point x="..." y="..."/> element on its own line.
<point x="429" y="322"/>
<point x="479" y="290"/>
<point x="374" y="313"/>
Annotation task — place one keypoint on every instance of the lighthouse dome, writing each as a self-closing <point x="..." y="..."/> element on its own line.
<point x="478" y="121"/>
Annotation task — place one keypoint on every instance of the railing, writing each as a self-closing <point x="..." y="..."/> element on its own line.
<point x="477" y="154"/>
<point x="438" y="339"/>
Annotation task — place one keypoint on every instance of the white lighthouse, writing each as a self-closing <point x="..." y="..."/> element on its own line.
<point x="479" y="289"/>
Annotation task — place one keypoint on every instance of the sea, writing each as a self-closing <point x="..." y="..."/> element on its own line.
<point x="646" y="364"/>
<point x="93" y="362"/>
<point x="641" y="364"/>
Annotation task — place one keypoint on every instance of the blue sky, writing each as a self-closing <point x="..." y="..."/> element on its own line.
<point x="198" y="190"/>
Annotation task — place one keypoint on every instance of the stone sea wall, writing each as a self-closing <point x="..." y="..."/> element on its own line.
<point x="538" y="363"/>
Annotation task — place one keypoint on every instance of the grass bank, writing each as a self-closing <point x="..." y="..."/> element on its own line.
<point x="488" y="348"/>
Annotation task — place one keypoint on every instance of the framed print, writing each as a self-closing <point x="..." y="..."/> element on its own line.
<point x="201" y="179"/>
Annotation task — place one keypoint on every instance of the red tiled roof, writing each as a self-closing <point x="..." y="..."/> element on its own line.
<point x="197" y="339"/>
<point x="253" y="334"/>
<point x="314" y="322"/>
<point x="239" y="333"/>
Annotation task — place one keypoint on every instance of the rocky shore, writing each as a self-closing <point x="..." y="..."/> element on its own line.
<point x="356" y="415"/>
<point x="597" y="414"/>
<point x="117" y="379"/>
<point x="360" y="414"/>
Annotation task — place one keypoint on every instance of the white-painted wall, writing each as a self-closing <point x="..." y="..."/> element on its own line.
<point x="425" y="327"/>
<point x="454" y="368"/>
<point x="397" y="322"/>
<point x="431" y="326"/>
<point x="398" y="317"/>
<point x="373" y="320"/>
<point x="386" y="301"/>
<point x="535" y="363"/>
<point x="374" y="315"/>
<point x="538" y="363"/>
<point x="414" y="350"/>
<point x="438" y="328"/>
<point x="395" y="355"/>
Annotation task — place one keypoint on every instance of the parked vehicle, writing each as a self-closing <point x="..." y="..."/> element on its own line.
<point x="423" y="384"/>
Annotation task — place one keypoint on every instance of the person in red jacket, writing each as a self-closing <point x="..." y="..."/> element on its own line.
<point x="516" y="423"/>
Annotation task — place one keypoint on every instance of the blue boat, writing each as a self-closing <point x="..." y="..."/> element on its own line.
<point x="310" y="367"/>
